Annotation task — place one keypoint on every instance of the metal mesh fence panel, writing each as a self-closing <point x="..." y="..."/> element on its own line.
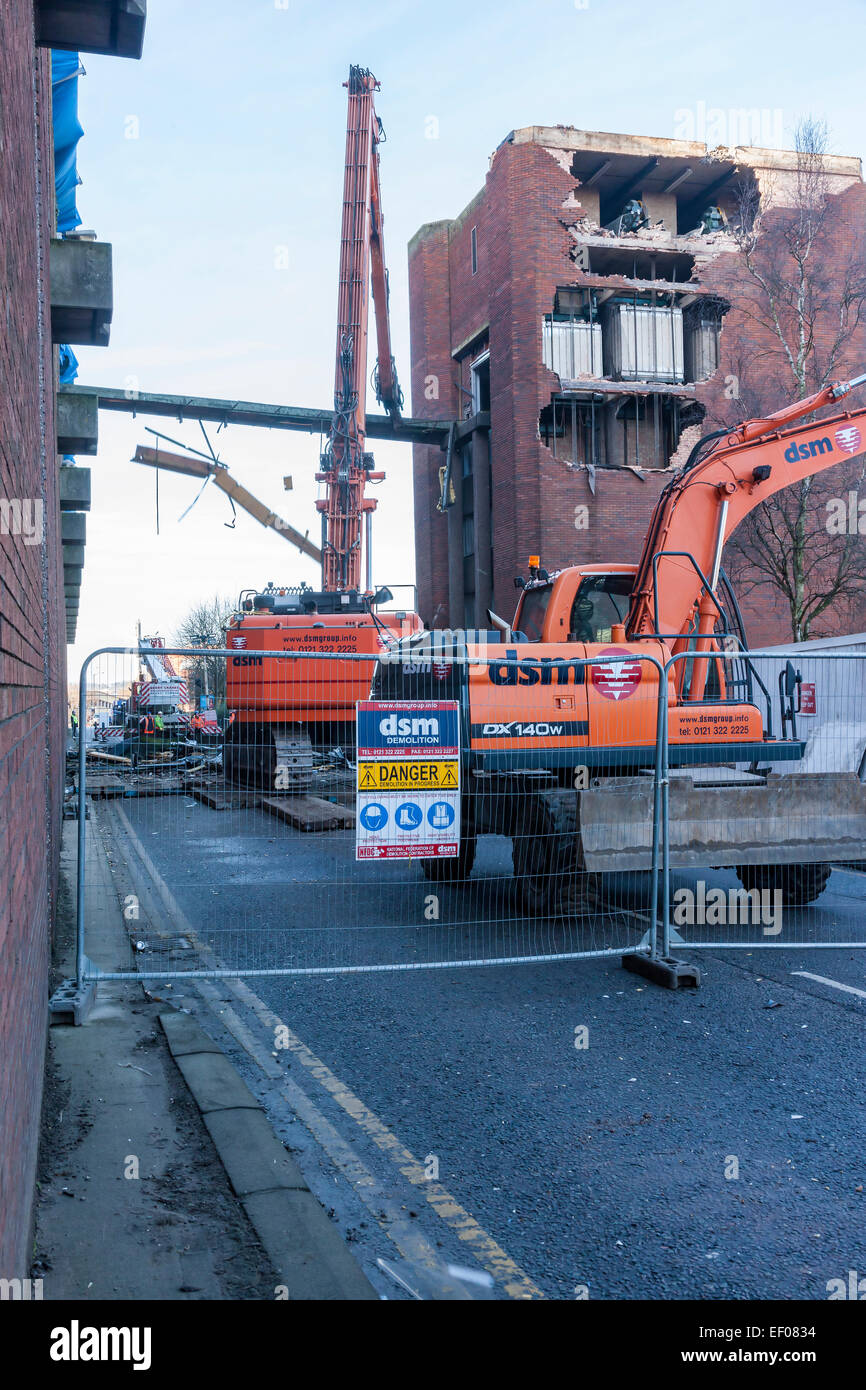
<point x="332" y="812"/>
<point x="767" y="848"/>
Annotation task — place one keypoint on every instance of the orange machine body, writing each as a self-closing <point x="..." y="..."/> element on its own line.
<point x="533" y="694"/>
<point x="318" y="689"/>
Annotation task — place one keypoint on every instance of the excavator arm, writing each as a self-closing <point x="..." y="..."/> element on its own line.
<point x="701" y="507"/>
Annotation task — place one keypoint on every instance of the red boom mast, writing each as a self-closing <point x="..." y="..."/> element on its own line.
<point x="346" y="465"/>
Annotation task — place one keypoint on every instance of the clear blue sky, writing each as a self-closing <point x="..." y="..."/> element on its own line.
<point x="240" y="116"/>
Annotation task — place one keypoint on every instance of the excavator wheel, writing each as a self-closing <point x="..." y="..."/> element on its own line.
<point x="799" y="883"/>
<point x="452" y="870"/>
<point x="548" y="866"/>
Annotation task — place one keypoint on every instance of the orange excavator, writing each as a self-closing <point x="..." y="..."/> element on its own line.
<point x="556" y="754"/>
<point x="287" y="713"/>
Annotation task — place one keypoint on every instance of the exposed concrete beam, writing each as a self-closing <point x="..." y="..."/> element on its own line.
<point x="273" y="417"/>
<point x="467" y="428"/>
<point x="596" y="174"/>
<point x="627" y="282"/>
<point x="595" y="386"/>
<point x="680" y="178"/>
<point x="705" y="198"/>
<point x="619" y="196"/>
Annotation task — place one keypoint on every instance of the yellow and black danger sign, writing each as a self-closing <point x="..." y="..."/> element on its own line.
<point x="416" y="774"/>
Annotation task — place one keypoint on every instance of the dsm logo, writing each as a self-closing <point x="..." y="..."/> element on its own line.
<point x="795" y="451"/>
<point x="392" y="727"/>
<point x="247" y="661"/>
<point x="534" y="670"/>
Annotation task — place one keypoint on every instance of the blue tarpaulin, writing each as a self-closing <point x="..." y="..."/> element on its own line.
<point x="65" y="68"/>
<point x="68" y="363"/>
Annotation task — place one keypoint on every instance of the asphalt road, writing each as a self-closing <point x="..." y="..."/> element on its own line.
<point x="703" y="1145"/>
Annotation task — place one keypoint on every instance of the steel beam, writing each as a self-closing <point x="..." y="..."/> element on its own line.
<point x="280" y="417"/>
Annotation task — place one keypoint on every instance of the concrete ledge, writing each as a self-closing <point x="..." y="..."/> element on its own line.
<point x="81" y="292"/>
<point x="77" y="421"/>
<point x="114" y="28"/>
<point x="302" y="1243"/>
<point x="73" y="527"/>
<point x="74" y="488"/>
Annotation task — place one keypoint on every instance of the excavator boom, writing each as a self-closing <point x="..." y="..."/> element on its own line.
<point x="701" y="506"/>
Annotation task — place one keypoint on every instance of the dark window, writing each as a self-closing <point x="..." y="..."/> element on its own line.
<point x="533" y="607"/>
<point x="474" y="239"/>
<point x="601" y="601"/>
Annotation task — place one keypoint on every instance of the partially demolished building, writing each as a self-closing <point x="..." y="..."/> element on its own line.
<point x="585" y="318"/>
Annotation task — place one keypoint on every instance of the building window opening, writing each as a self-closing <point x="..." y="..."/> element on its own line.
<point x="479" y="375"/>
<point x="474" y="241"/>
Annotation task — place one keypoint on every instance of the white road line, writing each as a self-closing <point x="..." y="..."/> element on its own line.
<point x="834" y="984"/>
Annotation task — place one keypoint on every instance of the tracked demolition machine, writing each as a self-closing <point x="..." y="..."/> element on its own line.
<point x="286" y="712"/>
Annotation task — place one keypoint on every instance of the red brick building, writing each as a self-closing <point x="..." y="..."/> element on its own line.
<point x="586" y="317"/>
<point x="41" y="553"/>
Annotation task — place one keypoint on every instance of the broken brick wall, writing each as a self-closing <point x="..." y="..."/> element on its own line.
<point x="524" y="247"/>
<point x="753" y="366"/>
<point x="32" y="622"/>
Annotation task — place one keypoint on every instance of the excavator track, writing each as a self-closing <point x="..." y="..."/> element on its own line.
<point x="271" y="758"/>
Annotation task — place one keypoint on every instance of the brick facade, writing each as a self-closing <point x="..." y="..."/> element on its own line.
<point x="32" y="621"/>
<point x="524" y="245"/>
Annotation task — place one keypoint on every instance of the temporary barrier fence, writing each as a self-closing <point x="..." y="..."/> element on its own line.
<point x="455" y="809"/>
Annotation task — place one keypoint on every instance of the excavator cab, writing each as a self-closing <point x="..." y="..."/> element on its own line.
<point x="574" y="605"/>
<point x="601" y="600"/>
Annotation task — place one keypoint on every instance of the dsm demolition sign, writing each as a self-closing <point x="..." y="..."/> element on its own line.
<point x="408" y="791"/>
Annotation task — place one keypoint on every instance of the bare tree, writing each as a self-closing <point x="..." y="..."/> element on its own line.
<point x="807" y="307"/>
<point x="204" y="626"/>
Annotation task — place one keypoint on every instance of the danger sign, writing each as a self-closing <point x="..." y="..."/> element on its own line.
<point x="408" y="795"/>
<point x="425" y="776"/>
<point x="619" y="675"/>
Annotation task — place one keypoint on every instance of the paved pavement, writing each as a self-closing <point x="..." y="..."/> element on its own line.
<point x="703" y="1145"/>
<point x="160" y="1177"/>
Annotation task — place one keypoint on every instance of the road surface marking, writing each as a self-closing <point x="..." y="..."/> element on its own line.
<point x="384" y="1209"/>
<point x="834" y="984"/>
<point x="487" y="1251"/>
